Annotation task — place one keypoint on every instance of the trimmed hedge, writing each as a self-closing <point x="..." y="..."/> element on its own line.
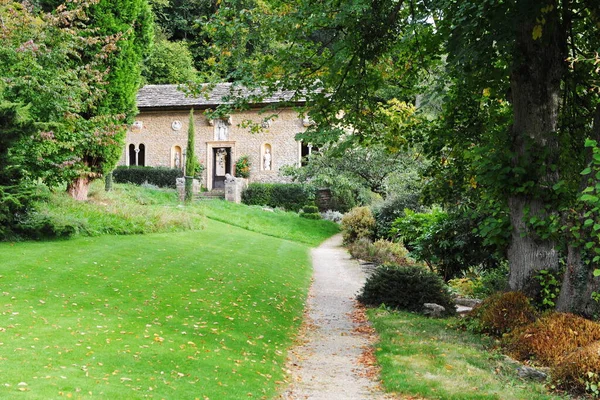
<point x="159" y="176"/>
<point x="290" y="196"/>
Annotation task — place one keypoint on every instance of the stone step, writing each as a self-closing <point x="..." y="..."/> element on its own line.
<point x="213" y="194"/>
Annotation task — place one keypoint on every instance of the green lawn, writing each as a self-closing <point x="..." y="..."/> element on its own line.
<point x="277" y="223"/>
<point x="203" y="314"/>
<point x="425" y="357"/>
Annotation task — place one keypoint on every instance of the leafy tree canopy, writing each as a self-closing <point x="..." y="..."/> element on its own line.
<point x="507" y="95"/>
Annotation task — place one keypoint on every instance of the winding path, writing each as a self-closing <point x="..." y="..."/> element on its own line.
<point x="326" y="364"/>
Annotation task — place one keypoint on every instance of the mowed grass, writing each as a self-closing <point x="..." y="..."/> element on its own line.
<point x="425" y="358"/>
<point x="277" y="223"/>
<point x="204" y="314"/>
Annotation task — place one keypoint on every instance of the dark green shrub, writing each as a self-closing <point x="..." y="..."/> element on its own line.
<point x="290" y="196"/>
<point x="391" y="209"/>
<point x="501" y="313"/>
<point x="37" y="225"/>
<point x="159" y="176"/>
<point x="310" y="212"/>
<point x="257" y="194"/>
<point x="406" y="288"/>
<point x="16" y="202"/>
<point x="310" y="209"/>
<point x="358" y="223"/>
<point x="444" y="241"/>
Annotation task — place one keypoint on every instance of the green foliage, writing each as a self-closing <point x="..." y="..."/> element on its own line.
<point x="550" y="289"/>
<point x="501" y="313"/>
<point x="40" y="225"/>
<point x="406" y="288"/>
<point x="391" y="209"/>
<point x="169" y="63"/>
<point x="586" y="228"/>
<point x="358" y="223"/>
<point x="190" y="160"/>
<point x="159" y="176"/>
<point x="464" y="287"/>
<point x="492" y="280"/>
<point x="379" y="252"/>
<point x="353" y="173"/>
<point x="447" y="242"/>
<point x="15" y="202"/>
<point x="289" y="196"/>
<point x="242" y="167"/>
<point x="310" y="212"/>
<point x="131" y="21"/>
<point x="77" y="71"/>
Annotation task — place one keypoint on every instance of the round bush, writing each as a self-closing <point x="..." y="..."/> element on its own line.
<point x="358" y="223"/>
<point x="502" y="313"/>
<point x="406" y="288"/>
<point x="552" y="337"/>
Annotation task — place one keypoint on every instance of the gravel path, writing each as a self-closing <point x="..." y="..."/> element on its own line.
<point x="326" y="364"/>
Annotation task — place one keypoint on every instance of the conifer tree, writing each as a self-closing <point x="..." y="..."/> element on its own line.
<point x="190" y="160"/>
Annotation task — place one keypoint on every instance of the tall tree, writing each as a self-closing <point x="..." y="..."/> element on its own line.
<point x="509" y="134"/>
<point x="130" y="22"/>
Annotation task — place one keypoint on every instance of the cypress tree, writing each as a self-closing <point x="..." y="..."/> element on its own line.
<point x="190" y="161"/>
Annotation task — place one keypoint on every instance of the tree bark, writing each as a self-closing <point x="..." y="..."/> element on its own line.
<point x="578" y="280"/>
<point x="537" y="69"/>
<point x="78" y="189"/>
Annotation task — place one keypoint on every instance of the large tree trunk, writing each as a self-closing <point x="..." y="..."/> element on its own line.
<point x="578" y="281"/>
<point x="536" y="74"/>
<point x="78" y="189"/>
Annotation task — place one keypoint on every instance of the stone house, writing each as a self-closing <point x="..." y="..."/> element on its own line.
<point x="158" y="137"/>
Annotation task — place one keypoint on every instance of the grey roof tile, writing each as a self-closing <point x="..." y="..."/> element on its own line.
<point x="171" y="96"/>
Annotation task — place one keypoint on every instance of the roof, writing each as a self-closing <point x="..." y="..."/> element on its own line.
<point x="175" y="97"/>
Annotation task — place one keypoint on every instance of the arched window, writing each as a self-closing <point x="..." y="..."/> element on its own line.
<point x="137" y="156"/>
<point x="142" y="155"/>
<point x="132" y="160"/>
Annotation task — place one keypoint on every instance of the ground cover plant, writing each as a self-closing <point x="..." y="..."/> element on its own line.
<point x="422" y="357"/>
<point x="194" y="314"/>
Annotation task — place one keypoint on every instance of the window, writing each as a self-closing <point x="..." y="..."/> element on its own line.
<point x="137" y="156"/>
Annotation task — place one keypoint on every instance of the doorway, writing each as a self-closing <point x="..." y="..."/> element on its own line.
<point x="221" y="166"/>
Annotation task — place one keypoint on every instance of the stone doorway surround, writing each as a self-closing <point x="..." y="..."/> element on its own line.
<point x="210" y="159"/>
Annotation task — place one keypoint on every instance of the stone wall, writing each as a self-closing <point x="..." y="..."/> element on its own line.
<point x="164" y="134"/>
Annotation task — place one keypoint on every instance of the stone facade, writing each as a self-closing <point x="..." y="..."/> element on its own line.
<point x="159" y="138"/>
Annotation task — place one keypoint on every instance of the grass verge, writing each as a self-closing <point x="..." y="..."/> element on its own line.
<point x="197" y="314"/>
<point x="424" y="357"/>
